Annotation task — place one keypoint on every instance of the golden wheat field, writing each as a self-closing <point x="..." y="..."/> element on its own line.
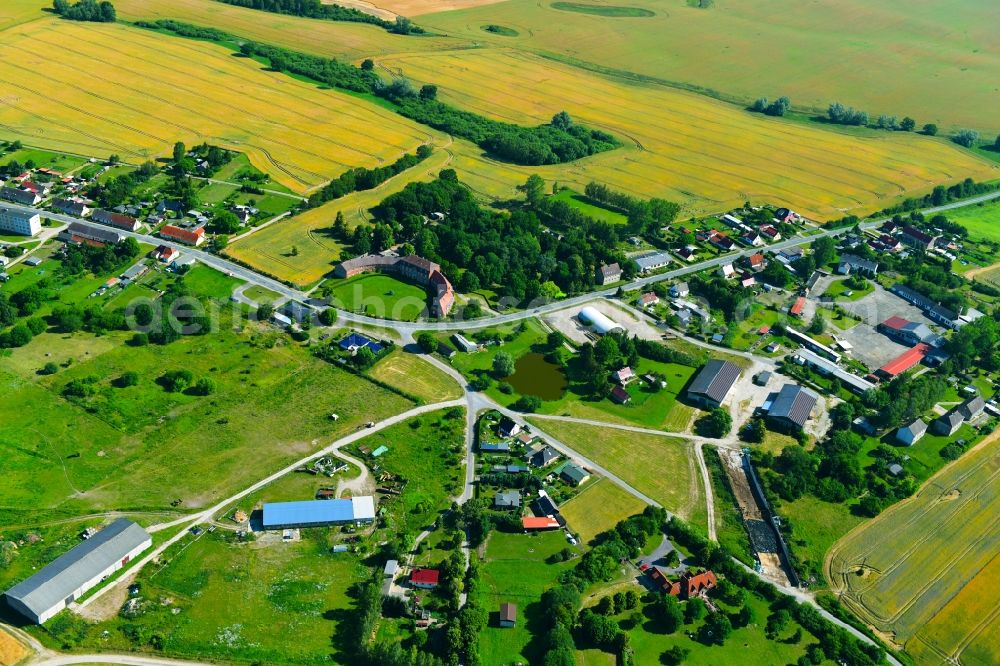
<point x="349" y="41"/>
<point x="100" y="88"/>
<point x="316" y="251"/>
<point x="686" y="147"/>
<point x="925" y="571"/>
<point x="934" y="60"/>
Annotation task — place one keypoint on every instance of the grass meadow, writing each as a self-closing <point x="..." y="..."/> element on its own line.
<point x="928" y="571"/>
<point x="415" y="377"/>
<point x="148" y="91"/>
<point x="141" y="447"/>
<point x="515" y="570"/>
<point x="772" y="48"/>
<point x="598" y="508"/>
<point x="683" y="146"/>
<point x="381" y="296"/>
<point x="670" y="477"/>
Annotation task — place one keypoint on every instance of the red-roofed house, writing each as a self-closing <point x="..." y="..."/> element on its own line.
<point x="770" y="232"/>
<point x="425" y="578"/>
<point x="798" y="306"/>
<point x="189" y="237"/>
<point x="721" y="241"/>
<point x="903" y="362"/>
<point x="689" y="585"/>
<point x="620" y="395"/>
<point x="647" y="299"/>
<point x="757" y="261"/>
<point x="894" y="323"/>
<point x="531" y="523"/>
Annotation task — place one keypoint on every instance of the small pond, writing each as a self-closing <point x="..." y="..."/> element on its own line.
<point x="533" y="375"/>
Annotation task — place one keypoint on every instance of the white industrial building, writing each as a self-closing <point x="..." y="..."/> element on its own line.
<point x="71" y="575"/>
<point x="22" y="222"/>
<point x="597" y="320"/>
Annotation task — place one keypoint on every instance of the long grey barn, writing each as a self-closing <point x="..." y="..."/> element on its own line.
<point x="70" y="575"/>
<point x="712" y="384"/>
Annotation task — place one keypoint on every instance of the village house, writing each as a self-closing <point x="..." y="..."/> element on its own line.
<point x="648" y="299"/>
<point x="426" y="579"/>
<point x="850" y="263"/>
<point x="193" y="237"/>
<point x="911" y="434"/>
<point x="688" y="586"/>
<point x="624" y="375"/>
<point x="508" y="615"/>
<point x="916" y="238"/>
<point x="757" y="262"/>
<point x="680" y="290"/>
<point x="609" y="274"/>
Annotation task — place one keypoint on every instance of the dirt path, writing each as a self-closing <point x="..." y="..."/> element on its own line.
<point x="979" y="271"/>
<point x="362" y="484"/>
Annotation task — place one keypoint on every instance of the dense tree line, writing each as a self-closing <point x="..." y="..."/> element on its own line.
<point x="721" y="294"/>
<point x="778" y="107"/>
<point x="643" y="215"/>
<point x="477" y="246"/>
<point x="558" y="141"/>
<point x="104" y="260"/>
<point x="118" y="190"/>
<point x="318" y="10"/>
<point x="941" y="195"/>
<point x="976" y="345"/>
<point x="186" y="30"/>
<point x="85" y="10"/>
<point x="846" y="115"/>
<point x="358" y="179"/>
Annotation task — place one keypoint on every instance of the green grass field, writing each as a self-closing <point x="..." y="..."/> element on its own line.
<point x="607" y="11"/>
<point x="415" y="377"/>
<point x="838" y="290"/>
<point x="426" y="451"/>
<point x="617" y="450"/>
<point x="226" y="598"/>
<point x="43" y="158"/>
<point x="982" y="221"/>
<point x="589" y="207"/>
<point x="142" y="447"/>
<point x="515" y="570"/>
<point x="380" y="296"/>
<point x="599" y="507"/>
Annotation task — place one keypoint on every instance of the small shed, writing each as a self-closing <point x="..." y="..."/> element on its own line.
<point x="508" y="615"/>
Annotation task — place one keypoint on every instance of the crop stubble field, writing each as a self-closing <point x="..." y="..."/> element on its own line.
<point x="684" y="146"/>
<point x="109" y="88"/>
<point x="930" y="565"/>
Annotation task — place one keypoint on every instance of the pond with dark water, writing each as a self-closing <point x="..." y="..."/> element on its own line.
<point x="533" y="375"/>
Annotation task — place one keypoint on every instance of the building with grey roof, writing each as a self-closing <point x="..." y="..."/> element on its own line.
<point x="713" y="382"/>
<point x="850" y="263"/>
<point x="72" y="574"/>
<point x="510" y="499"/>
<point x="792" y="407"/>
<point x="909" y="435"/>
<point x="651" y="261"/>
<point x="828" y="367"/>
<point x="972" y="408"/>
<point x="948" y="424"/>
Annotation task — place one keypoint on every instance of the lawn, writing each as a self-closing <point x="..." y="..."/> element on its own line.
<point x="838" y="290"/>
<point x="413" y="376"/>
<point x="925" y="562"/>
<point x="300" y="135"/>
<point x="261" y="294"/>
<point x="379" y="295"/>
<point x="816" y="526"/>
<point x="598" y="508"/>
<point x="205" y="281"/>
<point x="673" y="480"/>
<point x="515" y="570"/>
<point x="588" y="206"/>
